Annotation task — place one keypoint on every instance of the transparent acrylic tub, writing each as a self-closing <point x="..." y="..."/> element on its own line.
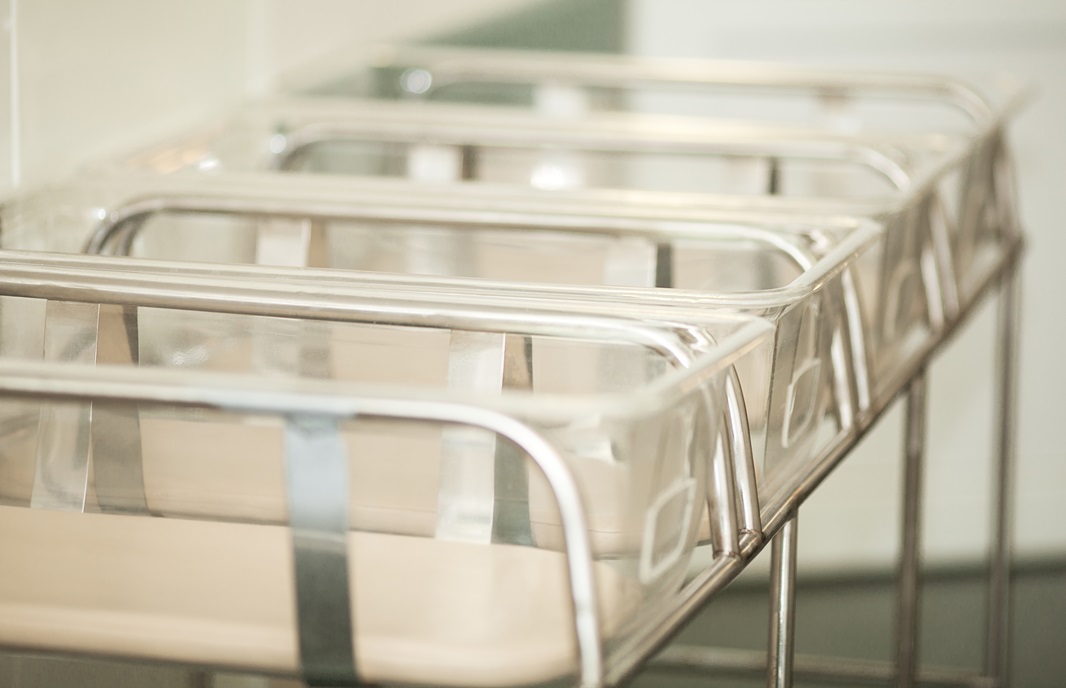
<point x="447" y="142"/>
<point x="823" y="283"/>
<point x="944" y="186"/>
<point x="595" y="436"/>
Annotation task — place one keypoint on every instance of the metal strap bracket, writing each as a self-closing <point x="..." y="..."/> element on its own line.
<point x="316" y="476"/>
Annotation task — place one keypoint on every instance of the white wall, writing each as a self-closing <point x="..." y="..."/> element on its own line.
<point x="288" y="36"/>
<point x="102" y="76"/>
<point x="851" y="521"/>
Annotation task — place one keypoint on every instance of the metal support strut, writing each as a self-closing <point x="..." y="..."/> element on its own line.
<point x="997" y="664"/>
<point x="908" y="601"/>
<point x="782" y="606"/>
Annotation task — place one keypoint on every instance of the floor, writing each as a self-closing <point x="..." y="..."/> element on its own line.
<point x="853" y="618"/>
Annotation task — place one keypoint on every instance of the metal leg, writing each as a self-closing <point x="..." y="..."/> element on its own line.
<point x="909" y="581"/>
<point x="782" y="606"/>
<point x="998" y="652"/>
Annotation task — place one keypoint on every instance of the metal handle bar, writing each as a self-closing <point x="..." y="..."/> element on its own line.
<point x="685" y="226"/>
<point x="305" y="123"/>
<point x="203" y="292"/>
<point x="124" y="220"/>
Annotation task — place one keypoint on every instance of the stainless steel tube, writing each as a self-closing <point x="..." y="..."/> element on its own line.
<point x="782" y="606"/>
<point x="908" y="601"/>
<point x="997" y="657"/>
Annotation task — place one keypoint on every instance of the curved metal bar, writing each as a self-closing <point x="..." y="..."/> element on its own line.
<point x="855" y="367"/>
<point x="815" y="271"/>
<point x="238" y="202"/>
<point x="176" y="291"/>
<point x="933" y="214"/>
<point x="117" y="228"/>
<point x="450" y="66"/>
<point x="589" y="135"/>
<point x="743" y="460"/>
<point x="722" y="491"/>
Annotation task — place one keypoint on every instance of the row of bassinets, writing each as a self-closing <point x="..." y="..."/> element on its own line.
<point x="430" y="391"/>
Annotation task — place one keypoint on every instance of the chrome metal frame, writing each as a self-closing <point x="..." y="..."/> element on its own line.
<point x="101" y="291"/>
<point x="1004" y="279"/>
<point x="626" y="658"/>
<point x="302" y="123"/>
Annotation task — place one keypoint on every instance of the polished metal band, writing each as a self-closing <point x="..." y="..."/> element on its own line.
<point x="316" y="475"/>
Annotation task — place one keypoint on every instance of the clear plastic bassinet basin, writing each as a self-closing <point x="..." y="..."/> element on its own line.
<point x="126" y="395"/>
<point x="821" y="282"/>
<point x="956" y="189"/>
